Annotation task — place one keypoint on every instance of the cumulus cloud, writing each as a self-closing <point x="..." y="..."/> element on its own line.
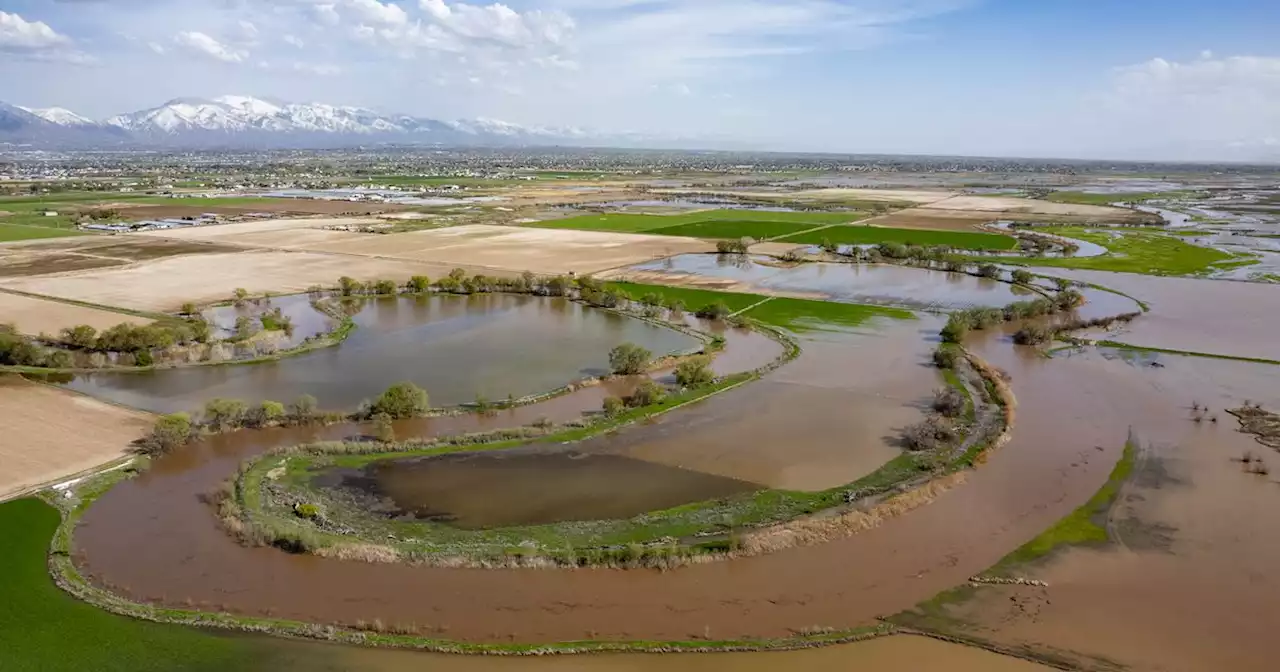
<point x="377" y="13"/>
<point x="204" y="45"/>
<point x="325" y="14"/>
<point x="35" y="40"/>
<point x="294" y="41"/>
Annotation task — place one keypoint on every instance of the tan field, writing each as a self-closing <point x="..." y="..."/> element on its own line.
<point x="262" y="233"/>
<point x="51" y="433"/>
<point x="919" y="196"/>
<point x="165" y="284"/>
<point x="511" y="249"/>
<point x="36" y="316"/>
<point x="1027" y="205"/>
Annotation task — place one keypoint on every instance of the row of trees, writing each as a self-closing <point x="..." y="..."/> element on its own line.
<point x="961" y="322"/>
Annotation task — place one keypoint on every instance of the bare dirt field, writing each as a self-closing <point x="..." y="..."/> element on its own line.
<point x="1009" y="204"/>
<point x="281" y="233"/>
<point x="512" y="249"/>
<point x="165" y="284"/>
<point x="920" y="196"/>
<point x="35" y="316"/>
<point x="51" y="433"/>
<point x="93" y="252"/>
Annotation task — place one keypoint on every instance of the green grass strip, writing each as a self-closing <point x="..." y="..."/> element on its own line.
<point x="871" y="235"/>
<point x="12" y="232"/>
<point x="1186" y="353"/>
<point x="1147" y="252"/>
<point x="622" y="222"/>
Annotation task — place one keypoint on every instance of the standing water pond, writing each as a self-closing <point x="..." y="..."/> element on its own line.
<point x="455" y="347"/>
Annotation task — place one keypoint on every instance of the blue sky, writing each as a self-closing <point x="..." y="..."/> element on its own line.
<point x="1075" y="78"/>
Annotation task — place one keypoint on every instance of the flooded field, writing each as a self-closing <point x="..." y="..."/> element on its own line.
<point x="478" y="491"/>
<point x="856" y="283"/>
<point x="454" y="347"/>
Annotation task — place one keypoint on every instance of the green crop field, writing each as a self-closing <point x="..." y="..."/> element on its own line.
<point x="43" y="629"/>
<point x="636" y="223"/>
<point x="870" y="235"/>
<point x="1085" y="198"/>
<point x="11" y="232"/>
<point x="793" y="314"/>
<point x="733" y="229"/>
<point x="1146" y="252"/>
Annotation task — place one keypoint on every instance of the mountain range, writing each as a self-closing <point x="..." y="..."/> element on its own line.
<point x="244" y="121"/>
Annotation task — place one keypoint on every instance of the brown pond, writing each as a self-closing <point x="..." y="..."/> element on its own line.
<point x="527" y="487"/>
<point x="455" y="347"/>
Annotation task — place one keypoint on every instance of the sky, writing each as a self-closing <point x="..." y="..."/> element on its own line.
<point x="1107" y="79"/>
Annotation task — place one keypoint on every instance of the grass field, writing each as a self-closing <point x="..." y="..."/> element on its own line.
<point x="43" y="629"/>
<point x="793" y="314"/>
<point x="1141" y="252"/>
<point x="10" y="232"/>
<point x="1085" y="198"/>
<point x="633" y="223"/>
<point x="866" y="235"/>
<point x="733" y="229"/>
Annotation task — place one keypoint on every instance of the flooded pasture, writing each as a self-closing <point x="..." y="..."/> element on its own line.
<point x="483" y="490"/>
<point x="455" y="347"/>
<point x="857" y="283"/>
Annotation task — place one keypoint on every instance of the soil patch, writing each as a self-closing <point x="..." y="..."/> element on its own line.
<point x="52" y="433"/>
<point x="36" y="316"/>
<point x="20" y="265"/>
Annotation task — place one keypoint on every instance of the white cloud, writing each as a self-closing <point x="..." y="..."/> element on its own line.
<point x="377" y="13"/>
<point x="294" y="41"/>
<point x="17" y="33"/>
<point x="35" y="40"/>
<point x="248" y="31"/>
<point x="156" y="47"/>
<point x="207" y="46"/>
<point x="326" y="14"/>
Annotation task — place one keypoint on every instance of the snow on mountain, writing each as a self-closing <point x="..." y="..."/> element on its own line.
<point x="61" y="116"/>
<point x="237" y="119"/>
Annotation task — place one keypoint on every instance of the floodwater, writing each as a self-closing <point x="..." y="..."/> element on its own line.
<point x="531" y="487"/>
<point x="455" y="347"/>
<point x="307" y="321"/>
<point x="856" y="283"/>
<point x="1195" y="557"/>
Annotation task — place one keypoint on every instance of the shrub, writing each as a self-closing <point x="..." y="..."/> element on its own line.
<point x="418" y="284"/>
<point x="647" y="393"/>
<point x="224" y="414"/>
<point x="384" y="287"/>
<point x="1033" y="335"/>
<point x="402" y="400"/>
<point x="629" y="359"/>
<point x="948" y="401"/>
<point x="1062" y="283"/>
<point x="714" y="311"/>
<point x="170" y="432"/>
<point x="956" y="328"/>
<point x="304" y="409"/>
<point x="59" y="359"/>
<point x="989" y="271"/>
<point x="1022" y="276"/>
<point x="945" y="357"/>
<point x="382" y="428"/>
<point x="270" y="412"/>
<point x="308" y="511"/>
<point x="695" y="372"/>
<point x="930" y="434"/>
<point x="613" y="406"/>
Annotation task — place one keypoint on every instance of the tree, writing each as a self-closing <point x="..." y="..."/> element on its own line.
<point x="1062" y="283"/>
<point x="948" y="401"/>
<point x="647" y="393"/>
<point x="224" y="414"/>
<point x="270" y="412"/>
<point x="956" y="328"/>
<point x="989" y="271"/>
<point x="170" y="432"/>
<point x="418" y="284"/>
<point x="629" y="359"/>
<point x="303" y="409"/>
<point x="402" y="400"/>
<point x="695" y="372"/>
<point x="384" y="287"/>
<point x="348" y="286"/>
<point x="59" y="359"/>
<point x="188" y="308"/>
<point x="240" y="295"/>
<point x="613" y="406"/>
<point x="714" y="311"/>
<point x="82" y="336"/>
<point x="383" y="430"/>
<point x="1022" y="276"/>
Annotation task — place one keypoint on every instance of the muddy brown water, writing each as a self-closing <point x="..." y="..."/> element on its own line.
<point x="1189" y="582"/>
<point x="530" y="487"/>
<point x="455" y="347"/>
<point x="1033" y="481"/>
<point x="858" y="283"/>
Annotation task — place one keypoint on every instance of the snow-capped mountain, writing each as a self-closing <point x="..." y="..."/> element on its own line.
<point x="229" y="121"/>
<point x="61" y="116"/>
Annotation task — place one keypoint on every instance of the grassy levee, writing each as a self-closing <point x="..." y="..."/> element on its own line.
<point x="1085" y="198"/>
<point x="1185" y="353"/>
<point x="43" y="629"/>
<point x="1146" y="252"/>
<point x="1086" y="525"/>
<point x="638" y="223"/>
<point x="870" y="235"/>
<point x="797" y="315"/>
<point x="46" y="630"/>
